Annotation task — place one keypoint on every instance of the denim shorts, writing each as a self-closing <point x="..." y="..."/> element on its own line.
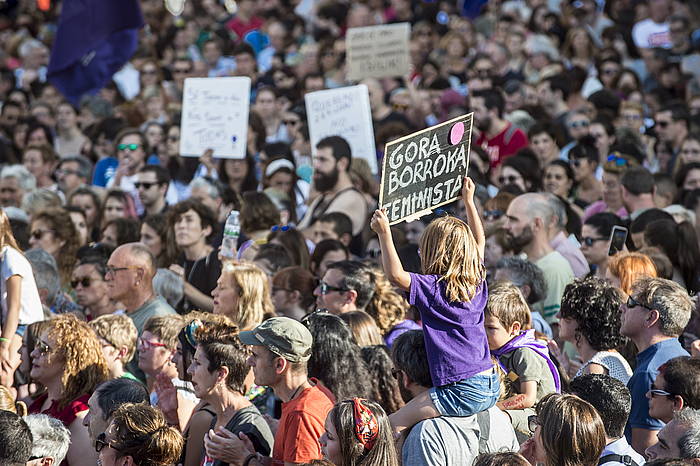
<point x="469" y="396"/>
<point x="21" y="329"/>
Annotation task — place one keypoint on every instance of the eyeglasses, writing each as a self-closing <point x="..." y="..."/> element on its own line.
<point x="589" y="240"/>
<point x="493" y="214"/>
<point x="532" y="422"/>
<point x="326" y="288"/>
<point x="131" y="147"/>
<point x="109" y="270"/>
<point x="632" y="303"/>
<point x="43" y="347"/>
<point x="619" y="161"/>
<point x="145" y="185"/>
<point x="101" y="442"/>
<point x="38" y="234"/>
<point x="579" y="124"/>
<point x="653" y="392"/>
<point x="147" y="345"/>
<point x="510" y="179"/>
<point x="85" y="282"/>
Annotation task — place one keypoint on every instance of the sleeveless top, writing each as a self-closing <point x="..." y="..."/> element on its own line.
<point x="613" y="361"/>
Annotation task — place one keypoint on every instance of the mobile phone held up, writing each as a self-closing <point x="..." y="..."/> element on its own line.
<point x="618" y="236"/>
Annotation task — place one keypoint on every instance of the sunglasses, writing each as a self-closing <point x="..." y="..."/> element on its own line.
<point x="277" y="228"/>
<point x="131" y="147"/>
<point x="63" y="172"/>
<point x="145" y="185"/>
<point x="632" y="303"/>
<point x="493" y="214"/>
<point x="85" y="282"/>
<point x="619" y="161"/>
<point x="532" y="422"/>
<point x="326" y="288"/>
<point x="589" y="240"/>
<point x="579" y="124"/>
<point x="510" y="179"/>
<point x="109" y="270"/>
<point x="38" y="234"/>
<point x="101" y="442"/>
<point x="654" y="392"/>
<point x="42" y="347"/>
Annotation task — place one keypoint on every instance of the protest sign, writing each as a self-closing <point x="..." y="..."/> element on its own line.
<point x="215" y="116"/>
<point x="425" y="170"/>
<point x="343" y="112"/>
<point x="378" y="51"/>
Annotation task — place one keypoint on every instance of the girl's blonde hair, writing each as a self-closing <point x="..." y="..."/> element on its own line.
<point x="7" y="238"/>
<point x="254" y="290"/>
<point x="448" y="249"/>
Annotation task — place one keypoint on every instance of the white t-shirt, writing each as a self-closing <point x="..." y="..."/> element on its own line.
<point x="14" y="263"/>
<point x="647" y="34"/>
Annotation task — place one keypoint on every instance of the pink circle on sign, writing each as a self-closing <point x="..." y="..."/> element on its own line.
<point x="456" y="133"/>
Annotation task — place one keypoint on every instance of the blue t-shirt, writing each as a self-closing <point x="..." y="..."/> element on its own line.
<point x="104" y="171"/>
<point x="455" y="338"/>
<point x="648" y="362"/>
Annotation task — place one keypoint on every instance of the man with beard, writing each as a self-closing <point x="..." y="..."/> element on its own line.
<point x="331" y="179"/>
<point x="527" y="224"/>
<point x="444" y="440"/>
<point x="497" y="136"/>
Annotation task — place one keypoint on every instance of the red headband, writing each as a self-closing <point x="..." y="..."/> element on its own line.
<point x="366" y="426"/>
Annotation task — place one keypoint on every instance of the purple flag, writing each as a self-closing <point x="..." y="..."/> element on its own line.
<point x="95" y="38"/>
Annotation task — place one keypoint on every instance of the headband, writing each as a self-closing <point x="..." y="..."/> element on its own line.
<point x="366" y="426"/>
<point x="277" y="164"/>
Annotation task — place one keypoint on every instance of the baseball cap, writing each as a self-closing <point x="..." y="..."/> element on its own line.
<point x="283" y="336"/>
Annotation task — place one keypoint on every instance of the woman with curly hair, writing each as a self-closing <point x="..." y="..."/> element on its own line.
<point x="54" y="231"/>
<point x="68" y="361"/>
<point x="335" y="357"/>
<point x="388" y="308"/>
<point x="590" y="319"/>
<point x="358" y="433"/>
<point x="138" y="434"/>
<point x="242" y="294"/>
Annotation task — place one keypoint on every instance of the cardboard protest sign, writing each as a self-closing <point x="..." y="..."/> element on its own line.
<point x="343" y="112"/>
<point x="425" y="170"/>
<point x="215" y="116"/>
<point x="378" y="51"/>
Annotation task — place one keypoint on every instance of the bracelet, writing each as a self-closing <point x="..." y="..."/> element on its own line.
<point x="3" y="339"/>
<point x="249" y="458"/>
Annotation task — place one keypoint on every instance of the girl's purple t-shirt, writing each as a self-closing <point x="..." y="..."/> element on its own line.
<point x="455" y="338"/>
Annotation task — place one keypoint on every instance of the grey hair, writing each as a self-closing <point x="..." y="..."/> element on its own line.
<point x="45" y="273"/>
<point x="689" y="441"/>
<point x="25" y="179"/>
<point x="537" y="206"/>
<point x="671" y="300"/>
<point x="523" y="272"/>
<point x="51" y="437"/>
<point x="558" y="208"/>
<point x="211" y="188"/>
<point x="84" y="165"/>
<point x="169" y="285"/>
<point x="40" y="199"/>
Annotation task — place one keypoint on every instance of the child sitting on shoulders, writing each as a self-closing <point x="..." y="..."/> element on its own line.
<point x="524" y="358"/>
<point x="450" y="295"/>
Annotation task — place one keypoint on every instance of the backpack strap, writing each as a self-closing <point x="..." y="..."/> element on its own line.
<point x="509" y="133"/>
<point x="624" y="459"/>
<point x="484" y="420"/>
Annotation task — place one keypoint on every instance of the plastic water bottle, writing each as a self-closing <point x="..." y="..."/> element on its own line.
<point x="232" y="230"/>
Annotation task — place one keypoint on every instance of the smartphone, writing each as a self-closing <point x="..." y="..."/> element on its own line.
<point x="618" y="236"/>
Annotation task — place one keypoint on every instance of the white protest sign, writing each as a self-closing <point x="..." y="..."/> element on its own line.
<point x="425" y="170"/>
<point x="343" y="112"/>
<point x="215" y="116"/>
<point x="378" y="51"/>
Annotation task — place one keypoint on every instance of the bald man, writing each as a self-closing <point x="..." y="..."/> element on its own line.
<point x="129" y="277"/>
<point x="527" y="222"/>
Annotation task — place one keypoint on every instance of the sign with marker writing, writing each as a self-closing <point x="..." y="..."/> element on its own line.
<point x="345" y="112"/>
<point x="378" y="51"/>
<point x="425" y="170"/>
<point x="215" y="116"/>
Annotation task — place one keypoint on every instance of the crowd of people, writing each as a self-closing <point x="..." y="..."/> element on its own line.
<point x="547" y="317"/>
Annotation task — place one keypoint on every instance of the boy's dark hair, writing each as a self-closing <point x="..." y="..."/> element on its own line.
<point x="640" y="223"/>
<point x="585" y="149"/>
<point x="341" y="223"/>
<point x="409" y="355"/>
<point x="15" y="440"/>
<point x="339" y="147"/>
<point x="682" y="376"/>
<point x="559" y="82"/>
<point x="207" y="218"/>
<point x="114" y="393"/>
<point x="638" y="180"/>
<point x="610" y="397"/>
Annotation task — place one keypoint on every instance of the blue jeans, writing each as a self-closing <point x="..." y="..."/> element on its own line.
<point x="467" y="397"/>
<point x="21" y="329"/>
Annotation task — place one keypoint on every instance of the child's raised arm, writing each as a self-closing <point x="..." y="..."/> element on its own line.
<point x="390" y="259"/>
<point x="473" y="218"/>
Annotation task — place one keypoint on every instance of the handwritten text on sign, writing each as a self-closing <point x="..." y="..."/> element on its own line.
<point x="215" y="116"/>
<point x="378" y="51"/>
<point x="425" y="170"/>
